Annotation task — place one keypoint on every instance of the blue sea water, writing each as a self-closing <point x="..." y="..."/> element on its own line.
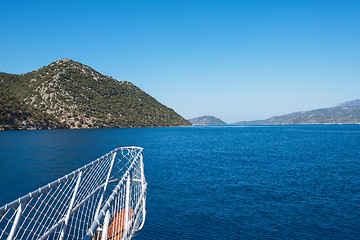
<point x="229" y="182"/>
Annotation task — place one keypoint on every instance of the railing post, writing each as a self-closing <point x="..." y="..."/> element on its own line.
<point x="127" y="207"/>
<point x="105" y="226"/>
<point x="142" y="189"/>
<point x="105" y="186"/>
<point x="63" y="231"/>
<point x="16" y="221"/>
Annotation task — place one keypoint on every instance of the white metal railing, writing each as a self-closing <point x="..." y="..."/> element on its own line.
<point x="104" y="199"/>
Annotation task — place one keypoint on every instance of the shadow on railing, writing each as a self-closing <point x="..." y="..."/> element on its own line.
<point x="104" y="199"/>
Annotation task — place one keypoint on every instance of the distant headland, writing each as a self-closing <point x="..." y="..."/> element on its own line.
<point x="344" y="113"/>
<point x="207" y="120"/>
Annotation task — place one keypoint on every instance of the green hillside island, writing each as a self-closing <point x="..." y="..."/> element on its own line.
<point x="68" y="94"/>
<point x="344" y="113"/>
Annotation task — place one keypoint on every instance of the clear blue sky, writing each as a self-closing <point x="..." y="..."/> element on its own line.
<point x="237" y="60"/>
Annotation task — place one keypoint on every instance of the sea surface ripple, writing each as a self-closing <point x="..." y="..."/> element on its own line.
<point x="276" y="182"/>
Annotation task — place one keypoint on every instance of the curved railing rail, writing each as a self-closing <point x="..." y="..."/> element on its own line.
<point x="104" y="199"/>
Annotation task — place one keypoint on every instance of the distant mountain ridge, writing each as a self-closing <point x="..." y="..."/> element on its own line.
<point x="353" y="103"/>
<point x="207" y="120"/>
<point x="344" y="113"/>
<point x="68" y="94"/>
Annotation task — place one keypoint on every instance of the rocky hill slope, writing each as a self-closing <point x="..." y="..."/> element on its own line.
<point x="68" y="94"/>
<point x="345" y="113"/>
<point x="207" y="120"/>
